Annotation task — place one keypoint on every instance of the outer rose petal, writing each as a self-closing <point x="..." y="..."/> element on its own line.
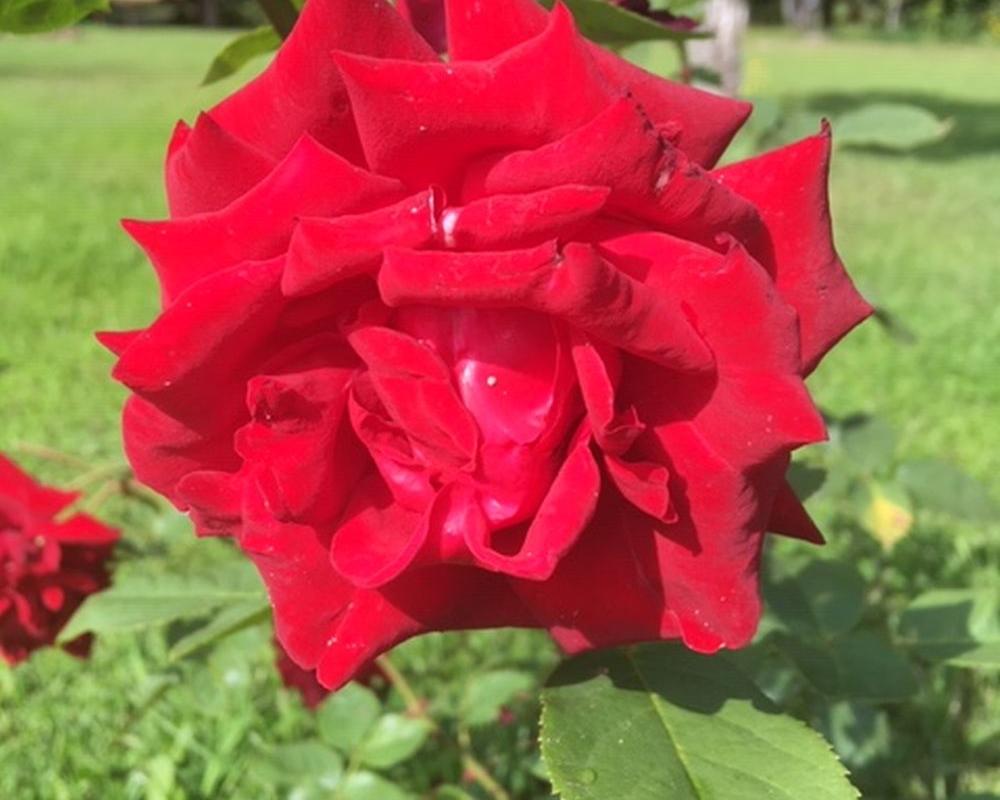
<point x="650" y="179"/>
<point x="606" y="591"/>
<point x="421" y="122"/>
<point x="789" y="187"/>
<point x="703" y="123"/>
<point x="790" y="518"/>
<point x="211" y="168"/>
<point x="301" y="92"/>
<point x="310" y="181"/>
<point x="32" y="499"/>
<point x="327" y="624"/>
<point x="708" y="559"/>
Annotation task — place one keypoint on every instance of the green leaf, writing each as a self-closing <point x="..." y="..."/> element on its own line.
<point x="138" y="601"/>
<point x="871" y="669"/>
<point x="35" y="16"/>
<point x="393" y="740"/>
<point x="869" y="442"/>
<point x="600" y="21"/>
<point x="894" y="126"/>
<point x="369" y="786"/>
<point x="240" y="50"/>
<point x="487" y="693"/>
<point x="825" y="598"/>
<point x="893" y="325"/>
<point x="858" y="666"/>
<point x="958" y="626"/>
<point x="347" y="715"/>
<point x="229" y="620"/>
<point x="308" y="764"/>
<point x="658" y="721"/>
<point x="805" y="479"/>
<point x="449" y="792"/>
<point x="859" y="732"/>
<point x="938" y="486"/>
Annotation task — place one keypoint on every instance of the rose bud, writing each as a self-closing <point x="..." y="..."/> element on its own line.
<point x="47" y="566"/>
<point x="483" y="341"/>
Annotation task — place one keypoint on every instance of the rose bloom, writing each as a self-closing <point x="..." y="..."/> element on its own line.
<point x="483" y="341"/>
<point x="47" y="567"/>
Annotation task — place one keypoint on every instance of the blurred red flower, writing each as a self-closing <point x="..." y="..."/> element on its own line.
<point x="47" y="567"/>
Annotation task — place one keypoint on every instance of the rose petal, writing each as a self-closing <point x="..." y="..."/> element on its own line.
<point x="416" y="388"/>
<point x="557" y="524"/>
<point x="325" y="251"/>
<point x="420" y="122"/>
<point x="30" y="496"/>
<point x="310" y="181"/>
<point x="211" y="169"/>
<point x="704" y="123"/>
<point x="427" y="17"/>
<point x="521" y="220"/>
<point x="649" y="178"/>
<point x="233" y="312"/>
<point x="379" y="538"/>
<point x="579" y="287"/>
<point x="305" y="464"/>
<point x="645" y="484"/>
<point x="790" y="518"/>
<point x="789" y="187"/>
<point x="301" y="92"/>
<point x="606" y="590"/>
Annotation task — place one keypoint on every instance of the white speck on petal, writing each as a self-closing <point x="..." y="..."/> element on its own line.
<point x="491" y="380"/>
<point x="449" y="220"/>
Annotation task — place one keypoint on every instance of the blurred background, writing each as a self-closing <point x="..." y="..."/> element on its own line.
<point x="904" y="490"/>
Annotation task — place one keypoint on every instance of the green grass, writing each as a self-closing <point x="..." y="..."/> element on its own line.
<point x="84" y="124"/>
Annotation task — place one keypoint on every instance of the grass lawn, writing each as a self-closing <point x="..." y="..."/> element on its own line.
<point x="84" y="123"/>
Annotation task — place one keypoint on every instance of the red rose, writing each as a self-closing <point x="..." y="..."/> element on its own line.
<point x="47" y="567"/>
<point x="483" y="342"/>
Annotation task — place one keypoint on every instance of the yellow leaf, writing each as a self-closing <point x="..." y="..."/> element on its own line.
<point x="888" y="517"/>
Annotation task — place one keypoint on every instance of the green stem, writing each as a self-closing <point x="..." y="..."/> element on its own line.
<point x="51" y="454"/>
<point x="686" y="74"/>
<point x="281" y="14"/>
<point x="473" y="767"/>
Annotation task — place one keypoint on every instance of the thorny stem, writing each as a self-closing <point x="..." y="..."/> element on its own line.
<point x="417" y="708"/>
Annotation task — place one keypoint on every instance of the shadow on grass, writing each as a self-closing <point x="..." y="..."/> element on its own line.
<point x="976" y="128"/>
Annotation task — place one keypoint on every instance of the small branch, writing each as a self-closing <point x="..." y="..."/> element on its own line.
<point x="686" y="73"/>
<point x="50" y="454"/>
<point x="414" y="704"/>
<point x="473" y="767"/>
<point x="281" y="14"/>
<point x="119" y="471"/>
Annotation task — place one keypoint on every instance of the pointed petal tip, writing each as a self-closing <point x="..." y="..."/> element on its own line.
<point x="117" y="342"/>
